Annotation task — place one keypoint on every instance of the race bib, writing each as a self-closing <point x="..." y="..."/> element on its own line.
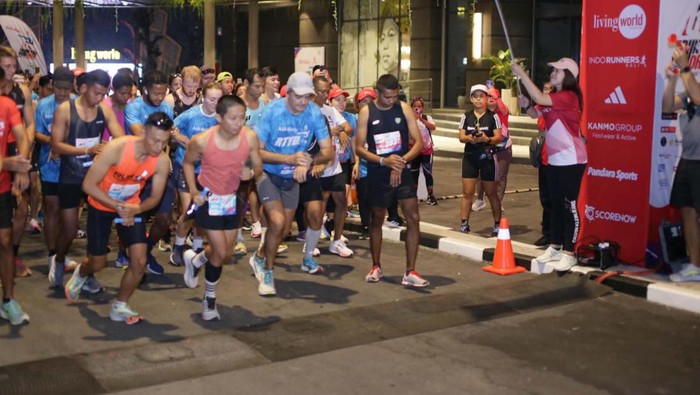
<point x="220" y="205"/>
<point x="86" y="143"/>
<point x="387" y="143"/>
<point x="123" y="192"/>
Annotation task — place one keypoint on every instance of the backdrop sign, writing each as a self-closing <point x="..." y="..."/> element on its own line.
<point x="305" y="58"/>
<point x="618" y="78"/>
<point x="24" y="42"/>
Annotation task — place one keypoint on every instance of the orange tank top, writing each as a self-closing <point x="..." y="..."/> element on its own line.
<point x="221" y="169"/>
<point x="125" y="180"/>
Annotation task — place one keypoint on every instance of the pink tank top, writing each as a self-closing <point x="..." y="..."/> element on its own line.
<point x="221" y="169"/>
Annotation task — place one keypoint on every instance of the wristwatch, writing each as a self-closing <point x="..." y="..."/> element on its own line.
<point x="686" y="69"/>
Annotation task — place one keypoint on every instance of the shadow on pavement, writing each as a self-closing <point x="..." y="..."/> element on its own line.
<point x="233" y="317"/>
<point x="312" y="291"/>
<point x="119" y="331"/>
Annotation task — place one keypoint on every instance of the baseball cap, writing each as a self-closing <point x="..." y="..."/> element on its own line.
<point x="223" y="75"/>
<point x="283" y="91"/>
<point x="566" y="64"/>
<point x="365" y="93"/>
<point x="63" y="77"/>
<point x="300" y="83"/>
<point x="78" y="71"/>
<point x="335" y="92"/>
<point x="478" y="87"/>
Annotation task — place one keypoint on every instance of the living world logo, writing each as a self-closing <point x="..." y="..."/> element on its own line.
<point x="630" y="23"/>
<point x="593" y="214"/>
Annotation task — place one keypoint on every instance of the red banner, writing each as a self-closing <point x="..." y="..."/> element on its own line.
<point x="618" y="72"/>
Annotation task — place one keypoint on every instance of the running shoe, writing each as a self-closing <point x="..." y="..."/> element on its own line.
<point x="12" y="312"/>
<point x="564" y="264"/>
<point x="352" y="213"/>
<point x="70" y="265"/>
<point x="342" y="237"/>
<point x="365" y="233"/>
<point x="209" y="310"/>
<point x="301" y="236"/>
<point x="256" y="230"/>
<point x="394" y="222"/>
<point x="176" y="255"/>
<point x="246" y="225"/>
<point x="267" y="283"/>
<point x="74" y="285"/>
<point x="55" y="273"/>
<point x="309" y="265"/>
<point x="240" y="249"/>
<point x="413" y="279"/>
<point x="21" y="270"/>
<point x="282" y="248"/>
<point x="35" y="227"/>
<point x="374" y="274"/>
<point x="316" y="252"/>
<point x="80" y="234"/>
<point x="549" y="255"/>
<point x="338" y="247"/>
<point x="478" y="205"/>
<point x="92" y="286"/>
<point x="164" y="246"/>
<point x="124" y="313"/>
<point x="689" y="272"/>
<point x="258" y="264"/>
<point x="122" y="260"/>
<point x="191" y="274"/>
<point x="464" y="227"/>
<point x="153" y="266"/>
<point x="431" y="200"/>
<point x="494" y="232"/>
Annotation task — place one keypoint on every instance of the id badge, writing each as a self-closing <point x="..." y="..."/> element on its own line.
<point x="221" y="205"/>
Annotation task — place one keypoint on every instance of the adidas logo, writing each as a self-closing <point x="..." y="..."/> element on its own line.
<point x="616" y="97"/>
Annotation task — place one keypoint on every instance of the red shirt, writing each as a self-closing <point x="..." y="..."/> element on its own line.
<point x="564" y="142"/>
<point x="9" y="118"/>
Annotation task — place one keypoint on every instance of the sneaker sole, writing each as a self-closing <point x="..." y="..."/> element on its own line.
<point x="339" y="254"/>
<point x="318" y="270"/>
<point x="126" y="320"/>
<point x="267" y="293"/>
<point x="25" y="318"/>
<point x="211" y="318"/>
<point x="413" y="285"/>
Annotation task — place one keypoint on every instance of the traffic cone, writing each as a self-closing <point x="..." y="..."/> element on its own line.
<point x="503" y="259"/>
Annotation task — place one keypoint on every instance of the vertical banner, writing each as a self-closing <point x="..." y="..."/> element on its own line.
<point x="618" y="78"/>
<point x="24" y="42"/>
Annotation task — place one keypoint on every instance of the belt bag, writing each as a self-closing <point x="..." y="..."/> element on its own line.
<point x="285" y="184"/>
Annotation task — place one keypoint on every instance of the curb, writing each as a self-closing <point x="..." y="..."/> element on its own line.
<point x="481" y="249"/>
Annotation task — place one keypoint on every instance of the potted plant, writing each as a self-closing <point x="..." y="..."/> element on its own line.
<point x="500" y="72"/>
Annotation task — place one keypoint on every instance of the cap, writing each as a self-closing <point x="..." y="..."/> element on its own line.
<point x="335" y="92"/>
<point x="493" y="92"/>
<point x="223" y="75"/>
<point x="283" y="91"/>
<point x="63" y="77"/>
<point x="566" y="64"/>
<point x="300" y="83"/>
<point x="365" y="93"/>
<point x="478" y="87"/>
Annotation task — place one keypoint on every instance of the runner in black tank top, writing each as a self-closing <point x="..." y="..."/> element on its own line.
<point x="81" y="134"/>
<point x="179" y="107"/>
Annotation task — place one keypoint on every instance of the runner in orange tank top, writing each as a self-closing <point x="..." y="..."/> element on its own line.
<point x="113" y="185"/>
<point x="223" y="150"/>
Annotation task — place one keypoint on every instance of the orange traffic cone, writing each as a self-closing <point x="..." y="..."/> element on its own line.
<point x="503" y="259"/>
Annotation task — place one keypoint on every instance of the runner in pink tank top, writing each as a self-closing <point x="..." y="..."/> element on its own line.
<point x="223" y="150"/>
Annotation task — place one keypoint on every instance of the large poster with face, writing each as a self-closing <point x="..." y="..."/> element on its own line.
<point x="618" y="79"/>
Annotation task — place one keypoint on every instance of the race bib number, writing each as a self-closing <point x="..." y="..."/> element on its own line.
<point x="387" y="143"/>
<point x="220" y="205"/>
<point x="123" y="192"/>
<point x="86" y="143"/>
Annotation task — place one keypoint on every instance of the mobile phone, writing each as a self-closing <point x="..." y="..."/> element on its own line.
<point x="36" y="69"/>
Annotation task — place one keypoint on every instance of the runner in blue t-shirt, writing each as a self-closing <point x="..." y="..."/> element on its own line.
<point x="135" y="115"/>
<point x="285" y="130"/>
<point x="188" y="124"/>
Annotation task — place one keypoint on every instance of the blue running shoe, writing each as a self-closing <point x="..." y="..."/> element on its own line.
<point x="311" y="266"/>
<point x="122" y="260"/>
<point x="12" y="312"/>
<point x="267" y="283"/>
<point x="153" y="266"/>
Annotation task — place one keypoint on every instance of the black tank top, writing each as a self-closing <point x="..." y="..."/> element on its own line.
<point x="83" y="135"/>
<point x="18" y="96"/>
<point x="180" y="106"/>
<point x="387" y="132"/>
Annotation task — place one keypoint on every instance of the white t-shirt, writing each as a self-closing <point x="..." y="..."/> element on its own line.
<point x="335" y="119"/>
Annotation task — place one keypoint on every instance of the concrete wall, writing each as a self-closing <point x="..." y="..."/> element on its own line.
<point x="426" y="47"/>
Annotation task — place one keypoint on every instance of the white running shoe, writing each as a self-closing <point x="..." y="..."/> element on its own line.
<point x="374" y="274"/>
<point x="564" y="264"/>
<point x="190" y="275"/>
<point x="478" y="205"/>
<point x="125" y="314"/>
<point x="209" y="310"/>
<point x="267" y="283"/>
<point x="256" y="230"/>
<point x="338" y="247"/>
<point x="55" y="273"/>
<point x="551" y="254"/>
<point x="689" y="272"/>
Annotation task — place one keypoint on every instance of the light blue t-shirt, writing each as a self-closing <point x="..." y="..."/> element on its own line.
<point x="137" y="112"/>
<point x="43" y="119"/>
<point x="285" y="133"/>
<point x="253" y="116"/>
<point x="191" y="123"/>
<point x="352" y="120"/>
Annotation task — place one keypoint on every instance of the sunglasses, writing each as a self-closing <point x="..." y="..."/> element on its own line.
<point x="208" y="71"/>
<point x="164" y="123"/>
<point x="175" y="75"/>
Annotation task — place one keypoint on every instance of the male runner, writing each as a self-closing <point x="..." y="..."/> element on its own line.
<point x="187" y="96"/>
<point x="223" y="151"/>
<point x="155" y="85"/>
<point x="285" y="130"/>
<point x="113" y="185"/>
<point x="10" y="125"/>
<point x="192" y="122"/>
<point x="255" y="103"/>
<point x="76" y="132"/>
<point x="386" y="125"/>
<point x="226" y="80"/>
<point x="208" y="75"/>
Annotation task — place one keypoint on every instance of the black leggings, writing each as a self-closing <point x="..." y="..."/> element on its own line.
<point x="425" y="162"/>
<point x="564" y="183"/>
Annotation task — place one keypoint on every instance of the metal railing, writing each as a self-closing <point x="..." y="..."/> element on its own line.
<point x="411" y="88"/>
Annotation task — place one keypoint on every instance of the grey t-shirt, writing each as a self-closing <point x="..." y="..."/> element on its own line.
<point x="690" y="128"/>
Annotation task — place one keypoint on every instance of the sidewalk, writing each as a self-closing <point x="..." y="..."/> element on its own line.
<point x="439" y="230"/>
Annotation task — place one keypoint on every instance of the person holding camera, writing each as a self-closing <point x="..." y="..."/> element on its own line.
<point x="479" y="130"/>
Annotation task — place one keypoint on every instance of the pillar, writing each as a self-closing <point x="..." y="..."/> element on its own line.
<point x="253" y="33"/>
<point x="79" y="34"/>
<point x="57" y="33"/>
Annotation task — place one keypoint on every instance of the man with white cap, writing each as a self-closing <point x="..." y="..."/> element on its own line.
<point x="286" y="129"/>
